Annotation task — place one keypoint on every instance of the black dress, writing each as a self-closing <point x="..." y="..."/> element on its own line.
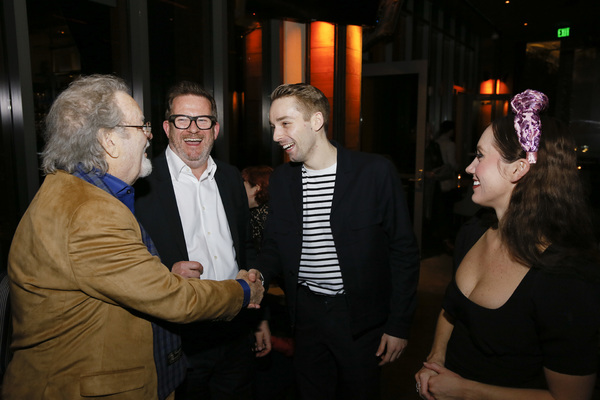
<point x="550" y="321"/>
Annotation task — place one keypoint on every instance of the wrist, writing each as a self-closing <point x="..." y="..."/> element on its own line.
<point x="469" y="390"/>
<point x="246" y="288"/>
<point x="436" y="358"/>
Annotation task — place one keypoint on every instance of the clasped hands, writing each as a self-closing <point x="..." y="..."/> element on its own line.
<point x="436" y="382"/>
<point x="193" y="269"/>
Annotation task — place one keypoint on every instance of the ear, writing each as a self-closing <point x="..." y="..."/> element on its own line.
<point x="166" y="127"/>
<point x="317" y="121"/>
<point x="109" y="142"/>
<point x="216" y="130"/>
<point x="519" y="169"/>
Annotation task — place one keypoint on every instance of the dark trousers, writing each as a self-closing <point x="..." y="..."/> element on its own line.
<point x="223" y="371"/>
<point x="329" y="362"/>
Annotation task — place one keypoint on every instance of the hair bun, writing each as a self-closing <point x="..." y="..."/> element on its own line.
<point x="527" y="107"/>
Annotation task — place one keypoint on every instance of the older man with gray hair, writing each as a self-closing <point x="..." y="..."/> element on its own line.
<point x="89" y="293"/>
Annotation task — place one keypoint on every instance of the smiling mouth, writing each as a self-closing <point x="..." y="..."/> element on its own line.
<point x="476" y="183"/>
<point x="287" y="146"/>
<point x="193" y="140"/>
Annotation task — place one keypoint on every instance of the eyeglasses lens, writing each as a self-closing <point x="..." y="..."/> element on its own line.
<point x="184" y="122"/>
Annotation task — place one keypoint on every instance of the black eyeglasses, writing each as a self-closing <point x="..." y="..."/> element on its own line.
<point x="203" y="122"/>
<point x="146" y="128"/>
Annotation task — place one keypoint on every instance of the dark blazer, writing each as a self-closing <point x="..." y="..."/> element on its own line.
<point x="156" y="209"/>
<point x="372" y="230"/>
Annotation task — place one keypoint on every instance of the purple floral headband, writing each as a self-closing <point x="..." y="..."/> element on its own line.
<point x="527" y="107"/>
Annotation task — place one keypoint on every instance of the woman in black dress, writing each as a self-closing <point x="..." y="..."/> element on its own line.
<point x="520" y="319"/>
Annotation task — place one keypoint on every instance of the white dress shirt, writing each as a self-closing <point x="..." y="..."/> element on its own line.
<point x="207" y="235"/>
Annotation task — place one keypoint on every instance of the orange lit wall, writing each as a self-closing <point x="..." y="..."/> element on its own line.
<point x="322" y="73"/>
<point x="254" y="56"/>
<point x="322" y="57"/>
<point x="353" y="84"/>
<point x="485" y="115"/>
<point x="294" y="52"/>
<point x="493" y="86"/>
<point x="321" y="53"/>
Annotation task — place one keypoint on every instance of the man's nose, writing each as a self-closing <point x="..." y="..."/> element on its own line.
<point x="276" y="134"/>
<point x="193" y="127"/>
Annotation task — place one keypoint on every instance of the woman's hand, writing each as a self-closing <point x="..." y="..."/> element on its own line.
<point x="422" y="377"/>
<point x="442" y="384"/>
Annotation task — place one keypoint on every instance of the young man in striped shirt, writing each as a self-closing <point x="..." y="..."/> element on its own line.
<point x="340" y="234"/>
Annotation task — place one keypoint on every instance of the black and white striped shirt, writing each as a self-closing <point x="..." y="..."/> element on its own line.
<point x="319" y="265"/>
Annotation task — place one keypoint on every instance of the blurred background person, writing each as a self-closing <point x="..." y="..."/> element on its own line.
<point x="275" y="378"/>
<point x="432" y="203"/>
<point x="256" y="182"/>
<point x="447" y="193"/>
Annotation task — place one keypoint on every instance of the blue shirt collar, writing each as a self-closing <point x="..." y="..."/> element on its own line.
<point x="122" y="191"/>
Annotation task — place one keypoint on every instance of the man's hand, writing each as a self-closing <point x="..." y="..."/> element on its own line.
<point x="390" y="348"/>
<point x="262" y="347"/>
<point x="188" y="269"/>
<point x="256" y="288"/>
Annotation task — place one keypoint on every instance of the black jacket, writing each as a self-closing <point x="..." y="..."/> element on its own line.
<point x="372" y="230"/>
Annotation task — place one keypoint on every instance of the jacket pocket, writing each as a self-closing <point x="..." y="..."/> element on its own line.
<point x="112" y="382"/>
<point x="365" y="218"/>
<point x="363" y="226"/>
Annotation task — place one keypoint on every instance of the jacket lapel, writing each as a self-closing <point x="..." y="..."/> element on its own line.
<point x="168" y="202"/>
<point x="226" y="192"/>
<point x="342" y="176"/>
<point x="296" y="191"/>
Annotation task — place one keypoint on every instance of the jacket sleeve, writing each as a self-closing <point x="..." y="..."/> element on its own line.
<point x="110" y="262"/>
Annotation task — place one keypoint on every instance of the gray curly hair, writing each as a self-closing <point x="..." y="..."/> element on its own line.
<point x="74" y="122"/>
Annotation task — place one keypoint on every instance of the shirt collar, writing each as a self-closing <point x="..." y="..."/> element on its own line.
<point x="121" y="190"/>
<point x="177" y="166"/>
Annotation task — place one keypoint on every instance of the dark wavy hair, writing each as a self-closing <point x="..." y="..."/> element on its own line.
<point x="259" y="175"/>
<point x="547" y="205"/>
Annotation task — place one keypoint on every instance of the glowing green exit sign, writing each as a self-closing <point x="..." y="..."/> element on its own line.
<point x="563" y="32"/>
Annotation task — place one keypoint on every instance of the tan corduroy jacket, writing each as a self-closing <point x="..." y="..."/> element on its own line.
<point x="81" y="282"/>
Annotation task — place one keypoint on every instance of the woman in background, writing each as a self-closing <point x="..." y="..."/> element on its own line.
<point x="274" y="372"/>
<point x="520" y="318"/>
<point x="256" y="181"/>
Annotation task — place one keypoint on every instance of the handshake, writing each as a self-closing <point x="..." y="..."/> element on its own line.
<point x="254" y="279"/>
<point x="193" y="269"/>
